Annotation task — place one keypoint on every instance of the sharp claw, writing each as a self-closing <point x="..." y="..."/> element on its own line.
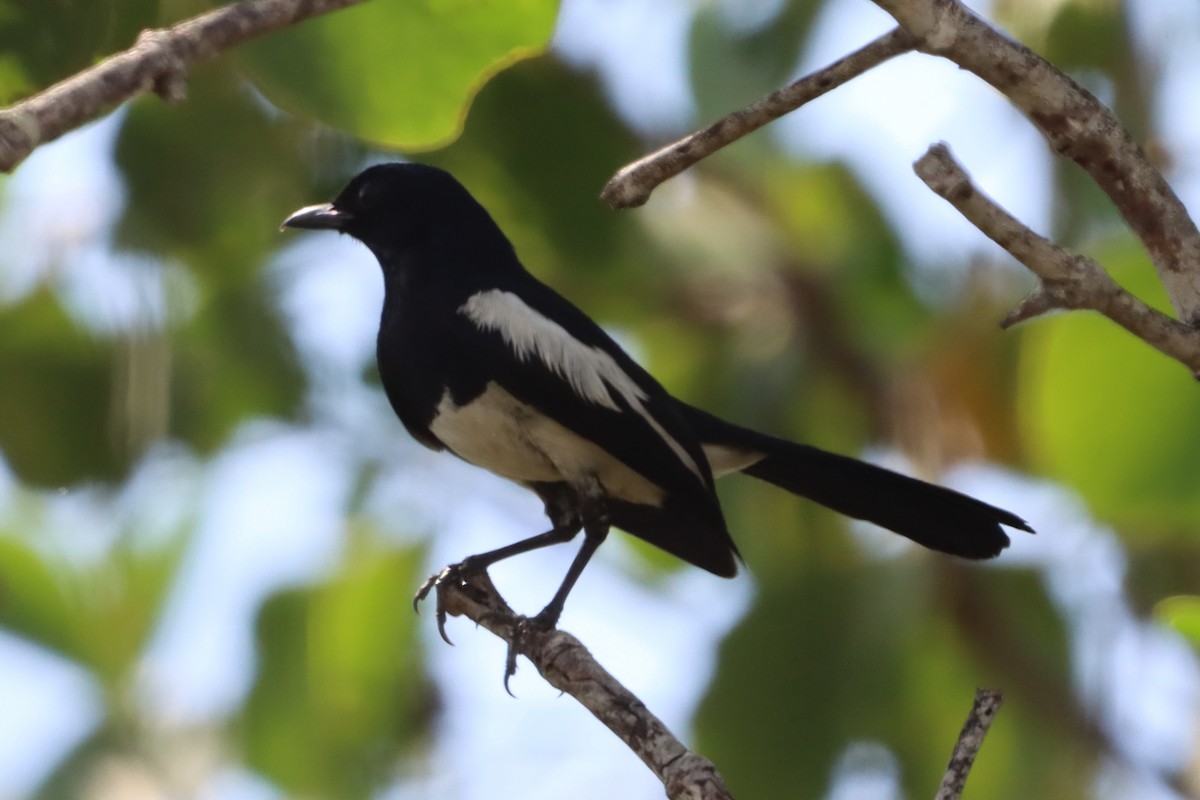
<point x="510" y="658"/>
<point x="438" y="583"/>
<point x="454" y="575"/>
<point x="441" y="620"/>
<point x="423" y="592"/>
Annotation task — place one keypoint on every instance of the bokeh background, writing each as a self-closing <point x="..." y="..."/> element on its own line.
<point x="211" y="524"/>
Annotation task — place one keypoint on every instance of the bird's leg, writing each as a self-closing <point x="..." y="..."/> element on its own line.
<point x="595" y="530"/>
<point x="594" y="533"/>
<point x="458" y="574"/>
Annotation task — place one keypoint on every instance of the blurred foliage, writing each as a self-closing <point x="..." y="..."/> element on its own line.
<point x="873" y="685"/>
<point x="54" y="437"/>
<point x="767" y="288"/>
<point x="340" y="679"/>
<point x="532" y="174"/>
<point x="397" y="74"/>
<point x="1079" y="373"/>
<point x="736" y="57"/>
<point x="1182" y="612"/>
<point x="41" y="43"/>
<point x="97" y="615"/>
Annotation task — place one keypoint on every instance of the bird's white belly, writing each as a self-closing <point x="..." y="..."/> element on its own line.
<point x="514" y="440"/>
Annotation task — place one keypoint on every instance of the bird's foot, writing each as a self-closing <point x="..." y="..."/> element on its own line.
<point x="456" y="576"/>
<point x="545" y="620"/>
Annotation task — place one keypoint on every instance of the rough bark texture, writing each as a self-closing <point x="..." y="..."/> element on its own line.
<point x="1067" y="280"/>
<point x="158" y="63"/>
<point x="568" y="666"/>
<point x="983" y="711"/>
<point x="1077" y="126"/>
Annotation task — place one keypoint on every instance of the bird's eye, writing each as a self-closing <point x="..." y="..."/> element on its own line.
<point x="367" y="194"/>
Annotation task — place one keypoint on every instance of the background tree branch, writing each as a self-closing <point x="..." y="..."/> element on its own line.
<point x="158" y="62"/>
<point x="632" y="185"/>
<point x="983" y="711"/>
<point x="1077" y="126"/>
<point x="1067" y="280"/>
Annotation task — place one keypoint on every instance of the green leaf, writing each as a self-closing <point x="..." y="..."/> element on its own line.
<point x="1181" y="612"/>
<point x="1087" y="35"/>
<point x="833" y="228"/>
<point x="540" y="143"/>
<point x="35" y="605"/>
<point x="840" y="653"/>
<point x="398" y="74"/>
<point x="1108" y="415"/>
<point x="731" y="68"/>
<point x="340" y="688"/>
<point x="56" y="405"/>
<point x="98" y="615"/>
<point x="814" y="666"/>
<point x="234" y="361"/>
<point x="209" y="180"/>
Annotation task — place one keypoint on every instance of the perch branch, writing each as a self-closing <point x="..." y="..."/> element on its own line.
<point x="987" y="703"/>
<point x="1077" y="126"/>
<point x="632" y="185"/>
<point x="157" y="62"/>
<point x="567" y="666"/>
<point x="1067" y="280"/>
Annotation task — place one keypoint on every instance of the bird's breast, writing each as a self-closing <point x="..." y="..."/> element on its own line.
<point x="413" y="378"/>
<point x="515" y="440"/>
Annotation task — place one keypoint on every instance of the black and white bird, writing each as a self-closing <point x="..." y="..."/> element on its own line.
<point x="480" y="358"/>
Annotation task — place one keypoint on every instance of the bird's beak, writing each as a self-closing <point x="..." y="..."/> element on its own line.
<point x="319" y="217"/>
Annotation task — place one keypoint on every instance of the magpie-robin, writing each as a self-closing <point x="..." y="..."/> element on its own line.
<point x="480" y="358"/>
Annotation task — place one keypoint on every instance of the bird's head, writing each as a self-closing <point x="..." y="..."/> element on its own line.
<point x="394" y="207"/>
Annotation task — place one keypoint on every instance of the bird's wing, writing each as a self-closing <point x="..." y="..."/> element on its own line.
<point x="551" y="356"/>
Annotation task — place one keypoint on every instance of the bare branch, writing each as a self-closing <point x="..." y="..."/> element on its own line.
<point x="987" y="703"/>
<point x="1077" y="126"/>
<point x="632" y="185"/>
<point x="158" y="62"/>
<point x="567" y="666"/>
<point x="1068" y="280"/>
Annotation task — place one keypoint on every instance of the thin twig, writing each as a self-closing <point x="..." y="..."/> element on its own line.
<point x="158" y="62"/>
<point x="1077" y="126"/>
<point x="568" y="666"/>
<point x="1067" y="280"/>
<point x="632" y="185"/>
<point x="987" y="703"/>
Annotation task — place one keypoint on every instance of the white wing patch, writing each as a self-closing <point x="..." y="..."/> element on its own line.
<point x="588" y="370"/>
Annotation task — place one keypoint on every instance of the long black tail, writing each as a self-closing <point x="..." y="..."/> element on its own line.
<point x="933" y="516"/>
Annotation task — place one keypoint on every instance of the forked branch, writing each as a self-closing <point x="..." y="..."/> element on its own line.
<point x="1077" y="126"/>
<point x="1067" y="280"/>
